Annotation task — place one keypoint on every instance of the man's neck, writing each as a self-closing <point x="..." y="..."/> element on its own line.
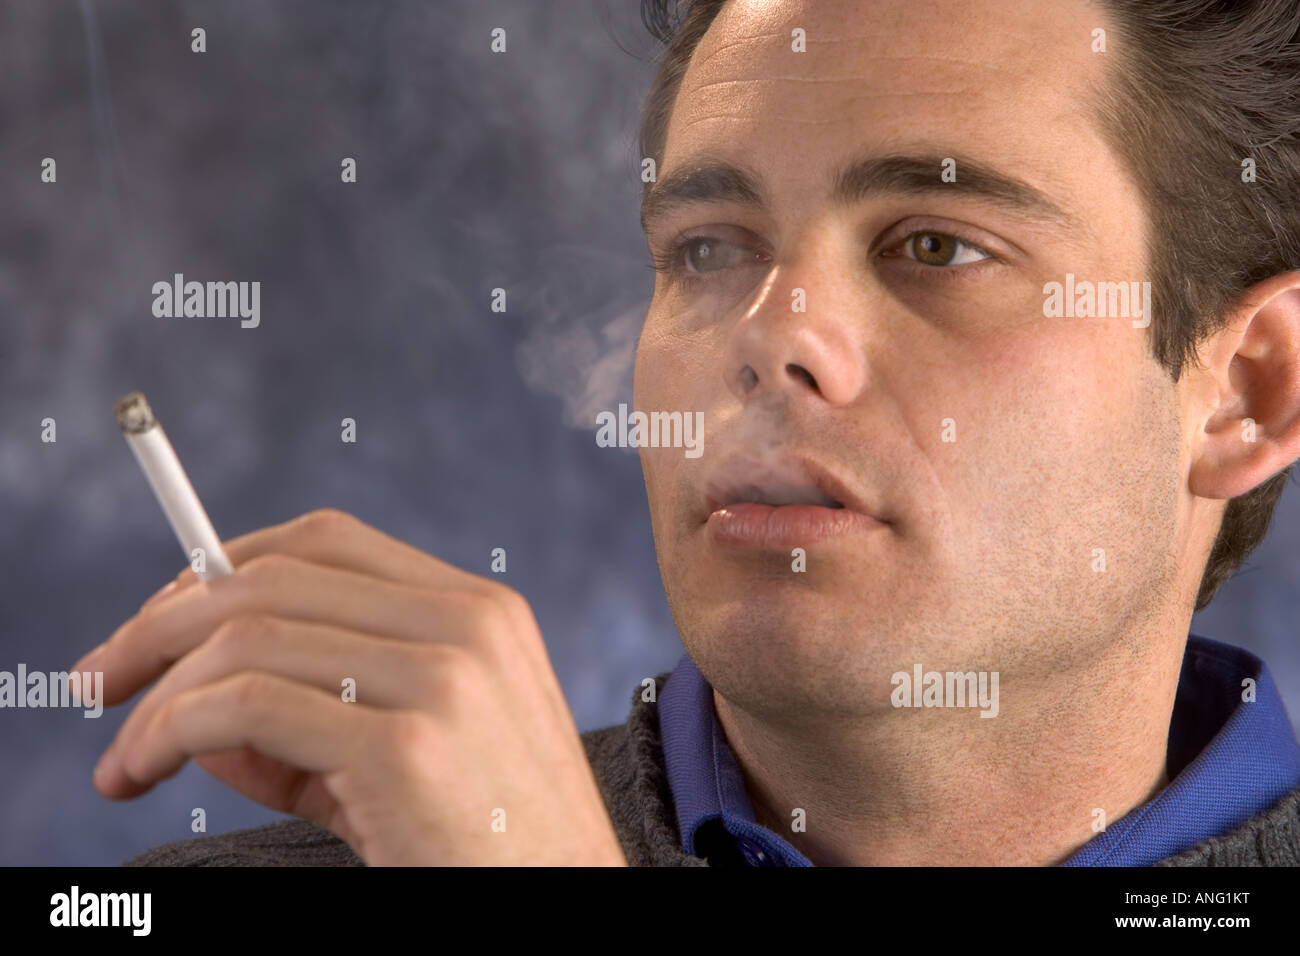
<point x="941" y="786"/>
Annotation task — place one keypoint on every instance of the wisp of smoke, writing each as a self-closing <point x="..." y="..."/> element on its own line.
<point x="582" y="343"/>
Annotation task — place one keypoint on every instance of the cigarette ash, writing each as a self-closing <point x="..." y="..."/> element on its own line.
<point x="134" y="414"/>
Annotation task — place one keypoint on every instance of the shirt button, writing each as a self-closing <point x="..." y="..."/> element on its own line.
<point x="754" y="854"/>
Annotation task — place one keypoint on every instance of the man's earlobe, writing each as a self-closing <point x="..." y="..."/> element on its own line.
<point x="1254" y="362"/>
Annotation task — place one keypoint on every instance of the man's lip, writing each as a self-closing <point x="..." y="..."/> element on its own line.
<point x="759" y="527"/>
<point x="817" y="475"/>
<point x="828" y="483"/>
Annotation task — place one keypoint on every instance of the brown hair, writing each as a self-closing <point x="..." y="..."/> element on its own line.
<point x="1208" y="84"/>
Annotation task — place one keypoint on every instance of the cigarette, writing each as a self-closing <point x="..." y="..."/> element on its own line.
<point x="170" y="485"/>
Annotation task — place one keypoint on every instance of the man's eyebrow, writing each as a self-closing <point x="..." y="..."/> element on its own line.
<point x="920" y="175"/>
<point x="711" y="180"/>
<point x="701" y="182"/>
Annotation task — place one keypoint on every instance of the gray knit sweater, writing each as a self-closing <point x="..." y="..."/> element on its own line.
<point x="629" y="767"/>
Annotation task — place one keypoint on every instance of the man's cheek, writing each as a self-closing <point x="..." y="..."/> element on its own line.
<point x="1010" y="471"/>
<point x="654" y="371"/>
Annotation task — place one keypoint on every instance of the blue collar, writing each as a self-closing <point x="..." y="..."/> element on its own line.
<point x="1228" y="760"/>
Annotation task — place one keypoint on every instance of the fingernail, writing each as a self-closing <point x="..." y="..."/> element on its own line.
<point x="160" y="594"/>
<point x="105" y="768"/>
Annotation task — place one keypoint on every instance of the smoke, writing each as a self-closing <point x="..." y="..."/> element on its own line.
<point x="582" y="341"/>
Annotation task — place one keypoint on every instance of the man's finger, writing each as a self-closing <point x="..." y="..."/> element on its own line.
<point x="297" y="725"/>
<point x="386" y="673"/>
<point x="281" y="586"/>
<point x="336" y="539"/>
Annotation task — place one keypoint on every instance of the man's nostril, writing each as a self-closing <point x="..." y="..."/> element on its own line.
<point x="798" y="371"/>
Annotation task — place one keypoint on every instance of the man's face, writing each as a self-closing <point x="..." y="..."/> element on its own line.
<point x="1010" y="454"/>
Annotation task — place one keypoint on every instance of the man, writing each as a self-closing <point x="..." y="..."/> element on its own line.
<point x="962" y="464"/>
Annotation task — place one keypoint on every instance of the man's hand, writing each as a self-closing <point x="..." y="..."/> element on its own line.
<point x="458" y="750"/>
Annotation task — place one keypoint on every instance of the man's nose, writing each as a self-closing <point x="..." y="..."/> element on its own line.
<point x="779" y="352"/>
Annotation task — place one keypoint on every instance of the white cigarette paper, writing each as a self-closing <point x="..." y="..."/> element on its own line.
<point x="170" y="485"/>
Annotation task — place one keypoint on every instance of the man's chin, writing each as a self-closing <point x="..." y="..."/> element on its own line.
<point x="784" y="625"/>
<point x="793" y="669"/>
<point x="772" y="594"/>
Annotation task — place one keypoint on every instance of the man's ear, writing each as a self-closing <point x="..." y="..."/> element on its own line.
<point x="1252" y="431"/>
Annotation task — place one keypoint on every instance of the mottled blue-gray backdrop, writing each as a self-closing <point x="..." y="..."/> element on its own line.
<point x="475" y="170"/>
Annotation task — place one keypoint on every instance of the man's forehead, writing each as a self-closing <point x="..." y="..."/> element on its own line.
<point x="892" y="67"/>
<point x="987" y="36"/>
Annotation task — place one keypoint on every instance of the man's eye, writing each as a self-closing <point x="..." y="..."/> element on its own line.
<point x="940" y="249"/>
<point x="703" y="254"/>
<point x="694" y="257"/>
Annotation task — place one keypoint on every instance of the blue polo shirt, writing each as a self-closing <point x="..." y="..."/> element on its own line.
<point x="1227" y="760"/>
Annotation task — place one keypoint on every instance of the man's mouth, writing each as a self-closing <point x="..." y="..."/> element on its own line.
<point x="777" y="494"/>
<point x="770" y="501"/>
<point x="779" y="481"/>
